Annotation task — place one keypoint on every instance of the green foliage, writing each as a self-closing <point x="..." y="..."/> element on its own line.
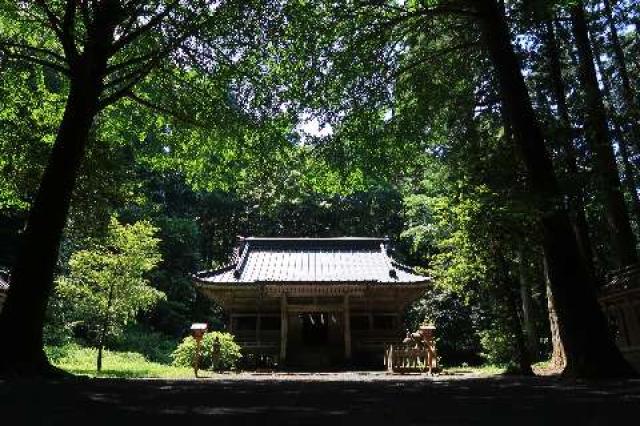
<point x="107" y="285"/>
<point x="455" y="322"/>
<point x="497" y="345"/>
<point x="153" y="345"/>
<point x="229" y="352"/>
<point x="80" y="360"/>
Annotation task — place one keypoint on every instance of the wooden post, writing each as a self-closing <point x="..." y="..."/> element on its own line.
<point x="259" y="328"/>
<point x="284" y="326"/>
<point x="347" y="329"/>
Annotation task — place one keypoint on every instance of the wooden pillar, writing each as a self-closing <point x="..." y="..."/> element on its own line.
<point x="347" y="329"/>
<point x="284" y="328"/>
<point x="259" y="328"/>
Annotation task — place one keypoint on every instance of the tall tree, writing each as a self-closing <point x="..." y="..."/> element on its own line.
<point x="108" y="284"/>
<point x="617" y="132"/>
<point x="629" y="97"/>
<point x="563" y="136"/>
<point x="105" y="49"/>
<point x="582" y="325"/>
<point x="600" y="140"/>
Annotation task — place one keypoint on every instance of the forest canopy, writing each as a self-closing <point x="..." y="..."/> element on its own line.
<point x="496" y="143"/>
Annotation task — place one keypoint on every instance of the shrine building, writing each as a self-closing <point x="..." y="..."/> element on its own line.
<point x="314" y="302"/>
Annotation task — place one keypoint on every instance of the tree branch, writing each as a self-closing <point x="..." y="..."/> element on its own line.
<point x="178" y="116"/>
<point x="115" y="96"/>
<point x="33" y="49"/>
<point x="68" y="41"/>
<point x="53" y="19"/>
<point x="38" y="61"/>
<point x="435" y="54"/>
<point x="130" y="37"/>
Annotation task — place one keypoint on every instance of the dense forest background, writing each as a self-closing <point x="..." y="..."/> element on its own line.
<point x="376" y="118"/>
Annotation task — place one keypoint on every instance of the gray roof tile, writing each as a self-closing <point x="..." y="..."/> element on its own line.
<point x="291" y="260"/>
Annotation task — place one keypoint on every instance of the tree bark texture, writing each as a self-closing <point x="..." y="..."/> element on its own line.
<point x="528" y="318"/>
<point x="22" y="319"/>
<point x="576" y="197"/>
<point x="599" y="139"/>
<point x="581" y="323"/>
<point x="558" y="357"/>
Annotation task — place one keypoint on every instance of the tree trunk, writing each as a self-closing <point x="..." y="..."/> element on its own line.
<point x="632" y="109"/>
<point x="597" y="135"/>
<point x="23" y="316"/>
<point x="520" y="344"/>
<point x="527" y="307"/>
<point x="105" y="326"/>
<point x="576" y="197"/>
<point x="627" y="168"/>
<point x="558" y="357"/>
<point x="581" y="323"/>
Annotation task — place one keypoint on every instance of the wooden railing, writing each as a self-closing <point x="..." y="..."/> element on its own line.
<point x="405" y="358"/>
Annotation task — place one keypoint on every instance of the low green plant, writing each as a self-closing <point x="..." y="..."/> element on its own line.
<point x="80" y="360"/>
<point x="227" y="358"/>
<point x="497" y="346"/>
<point x="155" y="346"/>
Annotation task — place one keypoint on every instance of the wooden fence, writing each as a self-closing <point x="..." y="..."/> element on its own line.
<point x="407" y="358"/>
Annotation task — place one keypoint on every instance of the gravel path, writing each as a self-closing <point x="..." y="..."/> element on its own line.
<point x="331" y="398"/>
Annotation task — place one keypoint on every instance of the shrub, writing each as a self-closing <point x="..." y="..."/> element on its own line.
<point x="184" y="354"/>
<point x="154" y="345"/>
<point x="497" y="345"/>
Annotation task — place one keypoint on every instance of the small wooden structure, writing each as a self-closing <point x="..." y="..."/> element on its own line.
<point x="313" y="302"/>
<point x="416" y="353"/>
<point x="620" y="301"/>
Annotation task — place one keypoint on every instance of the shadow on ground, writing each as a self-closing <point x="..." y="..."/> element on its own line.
<point x="354" y="399"/>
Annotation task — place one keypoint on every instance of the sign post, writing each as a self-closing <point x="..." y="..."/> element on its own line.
<point x="428" y="335"/>
<point x="198" y="330"/>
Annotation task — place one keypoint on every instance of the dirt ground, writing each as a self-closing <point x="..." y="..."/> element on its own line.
<point x="332" y="398"/>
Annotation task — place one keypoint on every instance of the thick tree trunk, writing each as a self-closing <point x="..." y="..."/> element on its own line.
<point x="576" y="197"/>
<point x="597" y="134"/>
<point x="581" y="323"/>
<point x="23" y="316"/>
<point x="528" y="318"/>
<point x="631" y="106"/>
<point x="558" y="357"/>
<point x="520" y="344"/>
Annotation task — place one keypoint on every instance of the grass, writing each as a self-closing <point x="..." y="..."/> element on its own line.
<point x="81" y="360"/>
<point x="483" y="370"/>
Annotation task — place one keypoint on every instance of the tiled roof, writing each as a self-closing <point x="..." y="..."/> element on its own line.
<point x="308" y="260"/>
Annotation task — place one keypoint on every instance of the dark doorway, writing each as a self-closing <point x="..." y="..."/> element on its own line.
<point x="315" y="329"/>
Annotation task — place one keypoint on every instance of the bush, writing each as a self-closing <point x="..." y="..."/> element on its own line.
<point x="229" y="355"/>
<point x="154" y="345"/>
<point x="456" y="337"/>
<point x="497" y="345"/>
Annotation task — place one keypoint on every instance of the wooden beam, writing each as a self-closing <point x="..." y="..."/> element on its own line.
<point x="259" y="327"/>
<point x="297" y="308"/>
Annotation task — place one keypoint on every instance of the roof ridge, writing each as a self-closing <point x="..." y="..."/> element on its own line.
<point x="242" y="261"/>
